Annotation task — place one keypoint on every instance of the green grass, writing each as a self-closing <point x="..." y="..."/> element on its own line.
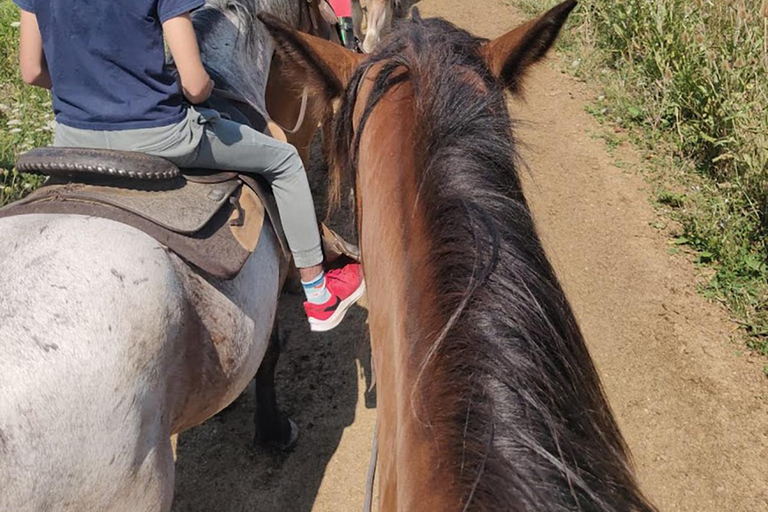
<point x="25" y="112"/>
<point x="689" y="80"/>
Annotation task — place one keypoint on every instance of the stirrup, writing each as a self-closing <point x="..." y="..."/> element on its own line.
<point x="334" y="246"/>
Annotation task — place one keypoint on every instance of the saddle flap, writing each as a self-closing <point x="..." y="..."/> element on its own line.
<point x="231" y="224"/>
<point x="212" y="220"/>
<point x="87" y="163"/>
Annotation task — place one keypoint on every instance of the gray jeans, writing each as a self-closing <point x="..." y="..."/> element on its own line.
<point x="205" y="140"/>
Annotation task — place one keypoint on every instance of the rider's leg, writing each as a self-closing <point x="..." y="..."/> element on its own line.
<point x="232" y="146"/>
<point x="236" y="147"/>
<point x="205" y="140"/>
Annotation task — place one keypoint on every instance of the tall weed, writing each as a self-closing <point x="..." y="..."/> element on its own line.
<point x="692" y="76"/>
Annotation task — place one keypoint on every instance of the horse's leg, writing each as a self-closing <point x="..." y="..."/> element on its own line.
<point x="358" y="18"/>
<point x="379" y="20"/>
<point x="271" y="427"/>
<point x="284" y="104"/>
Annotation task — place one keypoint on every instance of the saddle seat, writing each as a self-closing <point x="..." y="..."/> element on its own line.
<point x="211" y="219"/>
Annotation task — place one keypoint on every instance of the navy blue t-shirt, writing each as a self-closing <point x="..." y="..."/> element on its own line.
<point x="107" y="61"/>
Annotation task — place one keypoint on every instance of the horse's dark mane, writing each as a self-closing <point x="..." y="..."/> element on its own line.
<point x="402" y="7"/>
<point x="531" y="425"/>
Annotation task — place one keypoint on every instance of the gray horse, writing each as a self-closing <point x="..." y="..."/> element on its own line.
<point x="110" y="344"/>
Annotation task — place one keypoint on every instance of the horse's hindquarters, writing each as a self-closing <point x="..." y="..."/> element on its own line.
<point x="90" y="311"/>
<point x="108" y="344"/>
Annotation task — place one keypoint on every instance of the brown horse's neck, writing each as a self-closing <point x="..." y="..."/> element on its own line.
<point x="411" y="474"/>
<point x="488" y="399"/>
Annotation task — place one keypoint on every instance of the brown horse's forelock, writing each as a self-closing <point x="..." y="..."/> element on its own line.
<point x="530" y="428"/>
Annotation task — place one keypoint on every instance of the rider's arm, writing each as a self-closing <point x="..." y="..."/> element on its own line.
<point x="182" y="41"/>
<point x="34" y="68"/>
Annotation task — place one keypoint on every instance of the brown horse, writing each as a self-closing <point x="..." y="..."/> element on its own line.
<point x="236" y="49"/>
<point x="487" y="397"/>
<point x="287" y="106"/>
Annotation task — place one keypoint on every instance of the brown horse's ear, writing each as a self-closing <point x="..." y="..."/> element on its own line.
<point x="512" y="54"/>
<point x="326" y="66"/>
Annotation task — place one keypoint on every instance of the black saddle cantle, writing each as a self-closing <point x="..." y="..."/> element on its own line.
<point x="84" y="163"/>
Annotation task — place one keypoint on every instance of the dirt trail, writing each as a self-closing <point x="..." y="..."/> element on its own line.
<point x="694" y="411"/>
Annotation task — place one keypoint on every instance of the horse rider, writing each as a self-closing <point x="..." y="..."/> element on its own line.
<point x="105" y="65"/>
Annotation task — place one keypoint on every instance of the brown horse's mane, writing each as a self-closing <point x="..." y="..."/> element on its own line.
<point x="530" y="429"/>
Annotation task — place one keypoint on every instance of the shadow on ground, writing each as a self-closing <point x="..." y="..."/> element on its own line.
<point x="219" y="468"/>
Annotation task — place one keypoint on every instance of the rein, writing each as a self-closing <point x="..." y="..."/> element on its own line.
<point x="302" y="114"/>
<point x="314" y="28"/>
<point x="371" y="478"/>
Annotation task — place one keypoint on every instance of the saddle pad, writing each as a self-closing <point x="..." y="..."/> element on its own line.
<point x="180" y="205"/>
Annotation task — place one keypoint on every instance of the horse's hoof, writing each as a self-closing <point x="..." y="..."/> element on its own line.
<point x="293" y="438"/>
<point x="283" y="439"/>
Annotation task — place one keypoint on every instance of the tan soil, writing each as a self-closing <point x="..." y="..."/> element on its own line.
<point x="694" y="409"/>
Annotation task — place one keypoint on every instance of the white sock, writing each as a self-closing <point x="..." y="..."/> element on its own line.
<point x="316" y="291"/>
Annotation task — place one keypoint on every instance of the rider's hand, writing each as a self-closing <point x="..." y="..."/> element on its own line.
<point x="199" y="98"/>
<point x="209" y="89"/>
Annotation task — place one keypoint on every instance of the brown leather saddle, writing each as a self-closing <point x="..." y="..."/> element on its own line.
<point x="211" y="220"/>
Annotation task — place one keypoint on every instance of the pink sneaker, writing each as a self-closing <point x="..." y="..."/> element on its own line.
<point x="346" y="285"/>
